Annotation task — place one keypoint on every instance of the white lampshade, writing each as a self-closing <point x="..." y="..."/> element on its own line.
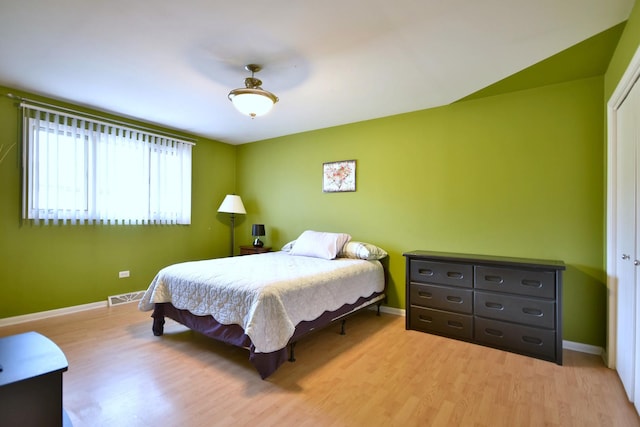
<point x="232" y="204"/>
<point x="252" y="104"/>
<point x="252" y="100"/>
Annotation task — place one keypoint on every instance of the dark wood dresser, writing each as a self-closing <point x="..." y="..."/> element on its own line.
<point x="513" y="304"/>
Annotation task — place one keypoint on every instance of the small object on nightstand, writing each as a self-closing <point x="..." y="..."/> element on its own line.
<point x="257" y="231"/>
<point x="252" y="250"/>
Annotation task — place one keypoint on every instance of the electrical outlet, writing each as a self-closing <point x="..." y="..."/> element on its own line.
<point x="123" y="274"/>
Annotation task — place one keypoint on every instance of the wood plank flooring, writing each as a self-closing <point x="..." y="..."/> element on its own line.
<point x="378" y="374"/>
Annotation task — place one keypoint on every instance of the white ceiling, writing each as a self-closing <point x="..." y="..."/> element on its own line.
<point x="330" y="62"/>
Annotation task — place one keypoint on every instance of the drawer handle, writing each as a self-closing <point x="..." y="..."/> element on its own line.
<point x="532" y="311"/>
<point x="454" y="324"/>
<point x="423" y="294"/>
<point x="426" y="319"/>
<point x="532" y="340"/>
<point x="457" y="300"/>
<point x="425" y="272"/>
<point x="455" y="275"/>
<point x="494" y="305"/>
<point x="494" y="279"/>
<point x="494" y="332"/>
<point x="532" y="283"/>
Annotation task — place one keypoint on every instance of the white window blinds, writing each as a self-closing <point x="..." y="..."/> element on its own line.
<point x="79" y="170"/>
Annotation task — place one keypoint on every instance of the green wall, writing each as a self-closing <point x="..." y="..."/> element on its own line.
<point x="49" y="267"/>
<point x="518" y="174"/>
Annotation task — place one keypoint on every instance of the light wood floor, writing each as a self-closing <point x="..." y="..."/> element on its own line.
<point x="378" y="374"/>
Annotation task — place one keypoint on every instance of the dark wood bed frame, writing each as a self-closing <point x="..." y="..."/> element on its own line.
<point x="265" y="363"/>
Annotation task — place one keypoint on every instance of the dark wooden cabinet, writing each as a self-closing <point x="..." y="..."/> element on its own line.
<point x="31" y="381"/>
<point x="509" y="303"/>
<point x="252" y="250"/>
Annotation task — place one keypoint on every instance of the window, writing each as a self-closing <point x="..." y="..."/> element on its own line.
<point x="81" y="170"/>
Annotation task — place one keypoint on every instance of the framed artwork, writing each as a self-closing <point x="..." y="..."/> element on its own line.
<point x="339" y="176"/>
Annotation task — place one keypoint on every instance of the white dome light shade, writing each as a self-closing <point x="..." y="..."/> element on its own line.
<point x="252" y="102"/>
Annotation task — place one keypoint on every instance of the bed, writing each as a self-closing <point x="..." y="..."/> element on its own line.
<point x="266" y="302"/>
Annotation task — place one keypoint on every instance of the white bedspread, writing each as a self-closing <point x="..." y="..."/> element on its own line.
<point x="267" y="294"/>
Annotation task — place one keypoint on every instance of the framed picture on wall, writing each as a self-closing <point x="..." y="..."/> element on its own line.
<point x="339" y="176"/>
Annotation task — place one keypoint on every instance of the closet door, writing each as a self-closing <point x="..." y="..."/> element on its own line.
<point x="628" y="340"/>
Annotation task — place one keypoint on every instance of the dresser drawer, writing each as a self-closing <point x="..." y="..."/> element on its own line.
<point x="534" y="312"/>
<point x="442" y="297"/>
<point x="540" y="284"/>
<point x="522" y="339"/>
<point x="441" y="273"/>
<point x="442" y="322"/>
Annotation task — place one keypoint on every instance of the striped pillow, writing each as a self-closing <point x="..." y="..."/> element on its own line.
<point x="362" y="250"/>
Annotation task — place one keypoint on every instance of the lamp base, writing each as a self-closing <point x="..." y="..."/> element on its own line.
<point x="258" y="243"/>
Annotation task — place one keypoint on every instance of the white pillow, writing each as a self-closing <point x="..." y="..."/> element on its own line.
<point x="319" y="244"/>
<point x="362" y="250"/>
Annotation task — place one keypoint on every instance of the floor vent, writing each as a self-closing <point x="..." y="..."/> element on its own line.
<point x="125" y="298"/>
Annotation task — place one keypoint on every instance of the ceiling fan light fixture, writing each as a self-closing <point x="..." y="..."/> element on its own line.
<point x="252" y="100"/>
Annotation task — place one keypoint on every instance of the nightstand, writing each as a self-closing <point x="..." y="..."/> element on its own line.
<point x="252" y="250"/>
<point x="31" y="381"/>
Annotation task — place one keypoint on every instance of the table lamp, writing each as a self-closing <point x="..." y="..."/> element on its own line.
<point x="257" y="231"/>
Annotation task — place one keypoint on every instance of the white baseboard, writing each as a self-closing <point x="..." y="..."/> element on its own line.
<point x="582" y="348"/>
<point x="391" y="310"/>
<point x="568" y="345"/>
<point x="50" y="313"/>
